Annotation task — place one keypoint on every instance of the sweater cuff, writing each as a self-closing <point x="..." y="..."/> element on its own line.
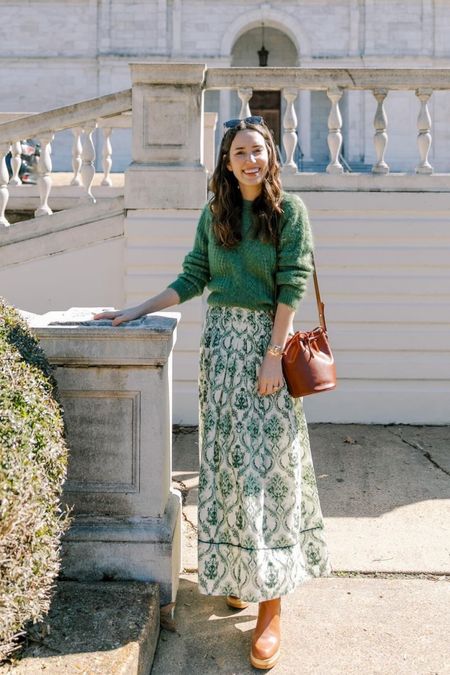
<point x="184" y="290"/>
<point x="290" y="296"/>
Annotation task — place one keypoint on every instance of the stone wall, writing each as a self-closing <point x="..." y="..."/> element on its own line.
<point x="74" y="258"/>
<point x="383" y="269"/>
<point x="86" y="29"/>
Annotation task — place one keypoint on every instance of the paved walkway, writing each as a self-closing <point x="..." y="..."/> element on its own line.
<point x="385" y="494"/>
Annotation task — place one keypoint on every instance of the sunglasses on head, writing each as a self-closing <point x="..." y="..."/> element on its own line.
<point x="253" y="119"/>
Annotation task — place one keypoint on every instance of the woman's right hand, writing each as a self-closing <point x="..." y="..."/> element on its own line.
<point x="120" y="315"/>
<point x="156" y="303"/>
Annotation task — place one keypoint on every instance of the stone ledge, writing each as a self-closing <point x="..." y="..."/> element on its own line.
<point x="72" y="338"/>
<point x="95" y="628"/>
<point x="367" y="182"/>
<point x="148" y="530"/>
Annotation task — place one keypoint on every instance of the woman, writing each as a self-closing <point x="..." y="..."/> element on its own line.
<point x="260" y="530"/>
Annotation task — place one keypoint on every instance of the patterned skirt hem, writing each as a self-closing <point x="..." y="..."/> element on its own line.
<point x="271" y="587"/>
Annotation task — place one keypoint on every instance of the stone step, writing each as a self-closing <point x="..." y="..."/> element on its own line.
<point x="97" y="628"/>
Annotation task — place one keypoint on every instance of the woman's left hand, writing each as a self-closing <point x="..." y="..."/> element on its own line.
<point x="270" y="378"/>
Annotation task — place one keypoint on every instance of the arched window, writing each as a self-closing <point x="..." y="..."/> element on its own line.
<point x="281" y="52"/>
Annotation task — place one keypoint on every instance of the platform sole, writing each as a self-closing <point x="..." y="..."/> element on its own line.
<point x="265" y="664"/>
<point x="236" y="603"/>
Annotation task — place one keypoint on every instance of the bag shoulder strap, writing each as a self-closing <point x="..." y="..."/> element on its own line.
<point x="320" y="304"/>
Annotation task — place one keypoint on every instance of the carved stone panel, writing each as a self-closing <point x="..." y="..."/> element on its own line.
<point x="172" y="129"/>
<point x="106" y="421"/>
<point x="118" y="423"/>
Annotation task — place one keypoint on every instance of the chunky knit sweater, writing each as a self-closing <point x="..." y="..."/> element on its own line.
<point x="254" y="274"/>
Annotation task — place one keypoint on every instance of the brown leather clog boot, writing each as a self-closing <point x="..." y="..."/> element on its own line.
<point x="235" y="602"/>
<point x="266" y="636"/>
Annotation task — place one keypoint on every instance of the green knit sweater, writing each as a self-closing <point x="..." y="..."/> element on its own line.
<point x="253" y="274"/>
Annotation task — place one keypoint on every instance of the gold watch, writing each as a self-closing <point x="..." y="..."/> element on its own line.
<point x="275" y="350"/>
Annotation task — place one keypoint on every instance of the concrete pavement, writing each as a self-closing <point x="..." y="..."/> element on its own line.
<point x="385" y="495"/>
<point x="333" y="626"/>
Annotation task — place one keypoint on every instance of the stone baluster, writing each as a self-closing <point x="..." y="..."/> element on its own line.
<point x="290" y="130"/>
<point x="88" y="158"/>
<point x="245" y="96"/>
<point x="76" y="156"/>
<point x="4" y="178"/>
<point x="45" y="175"/>
<point x="424" y="127"/>
<point x="107" y="156"/>
<point x="209" y="140"/>
<point x="16" y="161"/>
<point x="381" y="138"/>
<point x="334" y="131"/>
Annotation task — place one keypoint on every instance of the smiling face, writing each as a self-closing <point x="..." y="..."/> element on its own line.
<point x="249" y="161"/>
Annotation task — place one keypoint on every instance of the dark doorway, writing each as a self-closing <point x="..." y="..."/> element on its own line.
<point x="268" y="105"/>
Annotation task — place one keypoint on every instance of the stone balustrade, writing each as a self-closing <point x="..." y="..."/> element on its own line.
<point x="334" y="81"/>
<point x="173" y="136"/>
<point x="106" y="113"/>
<point x="105" y="126"/>
<point x="83" y="155"/>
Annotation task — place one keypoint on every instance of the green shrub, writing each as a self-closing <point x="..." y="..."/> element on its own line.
<point x="33" y="462"/>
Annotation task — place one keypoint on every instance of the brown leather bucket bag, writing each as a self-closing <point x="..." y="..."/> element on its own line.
<point x="308" y="362"/>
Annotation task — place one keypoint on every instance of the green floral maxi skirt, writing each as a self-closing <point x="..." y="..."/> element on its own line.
<point x="260" y="526"/>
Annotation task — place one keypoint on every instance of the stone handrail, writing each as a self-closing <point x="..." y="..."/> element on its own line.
<point x="324" y="78"/>
<point x="67" y="117"/>
<point x="83" y="118"/>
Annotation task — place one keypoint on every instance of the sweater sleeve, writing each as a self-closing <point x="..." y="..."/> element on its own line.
<point x="294" y="252"/>
<point x="196" y="274"/>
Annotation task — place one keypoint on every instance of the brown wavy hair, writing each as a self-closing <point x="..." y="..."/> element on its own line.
<point x="226" y="203"/>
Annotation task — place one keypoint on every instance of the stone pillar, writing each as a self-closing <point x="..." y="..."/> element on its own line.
<point x="167" y="151"/>
<point x="115" y="385"/>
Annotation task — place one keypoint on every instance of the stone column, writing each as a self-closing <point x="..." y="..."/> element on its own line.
<point x="115" y="385"/>
<point x="167" y="151"/>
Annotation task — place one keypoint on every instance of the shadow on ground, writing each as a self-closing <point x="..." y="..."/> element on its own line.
<point x="361" y="470"/>
<point x="330" y="626"/>
<point x="97" y="628"/>
<point x="209" y="637"/>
